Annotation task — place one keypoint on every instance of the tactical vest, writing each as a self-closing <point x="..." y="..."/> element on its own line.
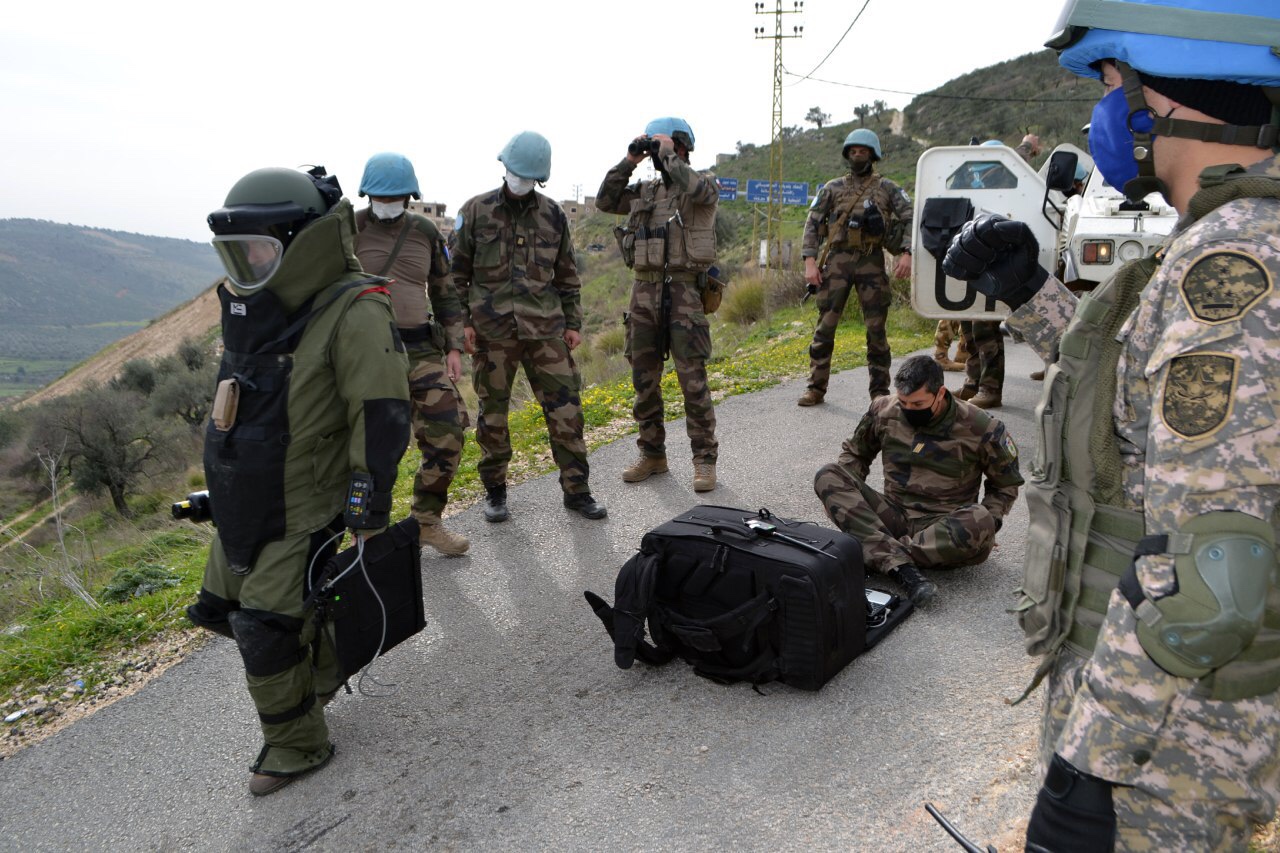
<point x="1080" y="539"/>
<point x="245" y="466"/>
<point x="670" y="235"/>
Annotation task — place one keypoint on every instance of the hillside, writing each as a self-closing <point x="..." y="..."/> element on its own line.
<point x="66" y="291"/>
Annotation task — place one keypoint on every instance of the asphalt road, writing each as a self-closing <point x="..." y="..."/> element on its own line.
<point x="510" y="728"/>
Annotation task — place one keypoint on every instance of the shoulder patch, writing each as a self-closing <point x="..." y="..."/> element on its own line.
<point x="1199" y="392"/>
<point x="1007" y="445"/>
<point x="457" y="222"/>
<point x="1224" y="285"/>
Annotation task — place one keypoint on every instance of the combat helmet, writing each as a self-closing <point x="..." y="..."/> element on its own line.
<point x="864" y="137"/>
<point x="1215" y="56"/>
<point x="677" y="128"/>
<point x="263" y="213"/>
<point x="528" y="155"/>
<point x="389" y="175"/>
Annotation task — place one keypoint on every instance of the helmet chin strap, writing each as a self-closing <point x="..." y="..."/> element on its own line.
<point x="1143" y="152"/>
<point x="1265" y="136"/>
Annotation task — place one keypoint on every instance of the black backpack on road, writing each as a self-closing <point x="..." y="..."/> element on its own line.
<point x="746" y="596"/>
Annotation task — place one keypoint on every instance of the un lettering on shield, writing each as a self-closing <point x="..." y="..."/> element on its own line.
<point x="1199" y="393"/>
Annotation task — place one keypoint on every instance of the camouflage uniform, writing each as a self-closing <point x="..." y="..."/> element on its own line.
<point x="984" y="368"/>
<point x="513" y="259"/>
<point x="854" y="261"/>
<point x="1195" y="417"/>
<point x="929" y="515"/>
<point x="685" y="253"/>
<point x="420" y="269"/>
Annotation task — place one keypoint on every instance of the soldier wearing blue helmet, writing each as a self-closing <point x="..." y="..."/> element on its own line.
<point x="1151" y="574"/>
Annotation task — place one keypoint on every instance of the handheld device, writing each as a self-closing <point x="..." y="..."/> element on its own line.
<point x="356" y="514"/>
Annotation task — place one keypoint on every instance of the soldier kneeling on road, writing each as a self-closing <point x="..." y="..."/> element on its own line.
<point x="937" y="450"/>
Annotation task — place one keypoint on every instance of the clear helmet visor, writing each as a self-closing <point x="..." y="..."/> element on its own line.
<point x="249" y="259"/>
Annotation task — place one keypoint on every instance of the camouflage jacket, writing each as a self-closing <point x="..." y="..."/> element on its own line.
<point x="673" y="215"/>
<point x="838" y="193"/>
<point x="1197" y="415"/>
<point x="513" y="262"/>
<point x="939" y="467"/>
<point x="420" y="268"/>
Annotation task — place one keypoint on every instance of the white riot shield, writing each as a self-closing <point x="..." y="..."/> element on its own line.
<point x="953" y="185"/>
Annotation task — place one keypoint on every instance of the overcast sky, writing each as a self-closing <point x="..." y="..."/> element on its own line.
<point x="139" y="116"/>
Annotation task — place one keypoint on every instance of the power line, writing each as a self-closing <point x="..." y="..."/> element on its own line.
<point x="837" y="44"/>
<point x="943" y="97"/>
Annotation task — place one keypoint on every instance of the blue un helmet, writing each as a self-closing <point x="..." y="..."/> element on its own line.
<point x="1169" y="45"/>
<point x="389" y="175"/>
<point x="677" y="128"/>
<point x="528" y="155"/>
<point x="992" y="142"/>
<point x="863" y="137"/>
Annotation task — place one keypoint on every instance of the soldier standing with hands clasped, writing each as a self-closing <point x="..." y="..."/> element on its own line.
<point x="1151" y="573"/>
<point x="670" y="241"/>
<point x="854" y="218"/>
<point x="513" y="261"/>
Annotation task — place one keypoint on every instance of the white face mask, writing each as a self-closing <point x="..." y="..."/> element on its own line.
<point x="518" y="185"/>
<point x="387" y="209"/>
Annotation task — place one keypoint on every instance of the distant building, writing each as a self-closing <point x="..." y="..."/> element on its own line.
<point x="434" y="210"/>
<point x="576" y="211"/>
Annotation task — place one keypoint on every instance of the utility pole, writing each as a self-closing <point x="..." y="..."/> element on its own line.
<point x="773" y="230"/>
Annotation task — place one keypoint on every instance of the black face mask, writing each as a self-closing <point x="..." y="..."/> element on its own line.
<point x="917" y="417"/>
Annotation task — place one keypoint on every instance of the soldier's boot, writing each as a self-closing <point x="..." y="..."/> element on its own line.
<point x="919" y="589"/>
<point x="585" y="505"/>
<point x="1037" y="375"/>
<point x="962" y="354"/>
<point x="811" y="397"/>
<point x="495" y="503"/>
<point x="643" y="468"/>
<point x="432" y="532"/>
<point x="704" y="476"/>
<point x="986" y="399"/>
<point x="261" y="784"/>
<point x="944" y="361"/>
<point x="968" y="392"/>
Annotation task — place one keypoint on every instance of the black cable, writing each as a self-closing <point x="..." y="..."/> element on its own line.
<point x="837" y="44"/>
<point x="943" y="97"/>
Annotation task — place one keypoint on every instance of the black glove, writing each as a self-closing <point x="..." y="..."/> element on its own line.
<point x="999" y="257"/>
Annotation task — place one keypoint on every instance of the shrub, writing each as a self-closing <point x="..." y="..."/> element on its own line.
<point x="137" y="581"/>
<point x="610" y="341"/>
<point x="744" y="302"/>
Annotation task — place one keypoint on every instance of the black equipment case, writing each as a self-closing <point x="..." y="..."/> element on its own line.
<point x="746" y="596"/>
<point x="360" y="624"/>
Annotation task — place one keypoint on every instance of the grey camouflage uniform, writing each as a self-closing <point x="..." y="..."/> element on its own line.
<point x="984" y="369"/>
<point x="929" y="515"/>
<point x="853" y="263"/>
<point x="420" y="269"/>
<point x="689" y="250"/>
<point x="1195" y="413"/>
<point x="513" y="261"/>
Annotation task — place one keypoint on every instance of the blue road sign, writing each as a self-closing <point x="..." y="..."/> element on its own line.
<point x="728" y="189"/>
<point x="791" y="192"/>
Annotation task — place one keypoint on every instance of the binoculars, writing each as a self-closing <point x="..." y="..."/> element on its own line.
<point x="643" y="146"/>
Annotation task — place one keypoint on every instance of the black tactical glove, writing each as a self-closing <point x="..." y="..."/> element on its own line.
<point x="999" y="257"/>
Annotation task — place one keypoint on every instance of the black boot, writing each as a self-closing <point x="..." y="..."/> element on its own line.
<point x="585" y="505"/>
<point x="919" y="589"/>
<point x="495" y="503"/>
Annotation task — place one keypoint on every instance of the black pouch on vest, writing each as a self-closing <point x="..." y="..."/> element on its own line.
<point x="941" y="220"/>
<point x="745" y="596"/>
<point x="355" y="619"/>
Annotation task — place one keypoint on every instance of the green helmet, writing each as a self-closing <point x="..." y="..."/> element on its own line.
<point x="863" y="137"/>
<point x="263" y="213"/>
<point x="528" y="155"/>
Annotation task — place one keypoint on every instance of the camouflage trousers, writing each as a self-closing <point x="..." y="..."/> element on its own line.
<point x="263" y="611"/>
<point x="945" y="334"/>
<point x="865" y="273"/>
<point x="439" y="426"/>
<point x="985" y="366"/>
<point x="553" y="376"/>
<point x="891" y="536"/>
<point x="690" y="346"/>
<point x="1191" y="773"/>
